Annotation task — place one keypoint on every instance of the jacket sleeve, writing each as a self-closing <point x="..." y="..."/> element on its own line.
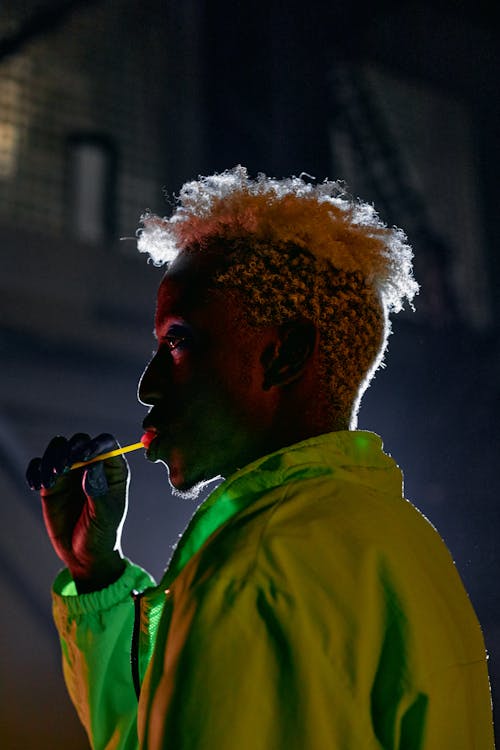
<point x="95" y="632"/>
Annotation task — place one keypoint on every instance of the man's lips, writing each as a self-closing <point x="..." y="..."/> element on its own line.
<point x="155" y="425"/>
<point x="148" y="437"/>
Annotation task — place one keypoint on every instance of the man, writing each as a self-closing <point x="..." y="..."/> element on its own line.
<point x="307" y="605"/>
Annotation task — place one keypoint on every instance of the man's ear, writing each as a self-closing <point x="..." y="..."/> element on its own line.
<point x="285" y="360"/>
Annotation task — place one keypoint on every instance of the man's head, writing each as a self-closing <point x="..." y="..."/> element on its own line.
<point x="299" y="275"/>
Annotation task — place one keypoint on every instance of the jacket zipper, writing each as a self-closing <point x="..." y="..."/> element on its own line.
<point x="134" y="650"/>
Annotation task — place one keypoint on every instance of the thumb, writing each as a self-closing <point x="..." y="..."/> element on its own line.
<point x="95" y="483"/>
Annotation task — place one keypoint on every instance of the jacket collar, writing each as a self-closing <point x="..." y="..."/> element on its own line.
<point x="316" y="456"/>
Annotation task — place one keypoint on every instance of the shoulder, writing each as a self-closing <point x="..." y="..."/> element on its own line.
<point x="319" y="522"/>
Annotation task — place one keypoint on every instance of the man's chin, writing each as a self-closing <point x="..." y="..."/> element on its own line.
<point x="185" y="487"/>
<point x="187" y="493"/>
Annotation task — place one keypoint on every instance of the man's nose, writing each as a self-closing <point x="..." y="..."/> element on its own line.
<point x="151" y="385"/>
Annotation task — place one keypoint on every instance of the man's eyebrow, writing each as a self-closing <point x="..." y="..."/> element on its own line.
<point x="176" y="327"/>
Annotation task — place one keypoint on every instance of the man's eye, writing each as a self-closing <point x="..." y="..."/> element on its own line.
<point x="175" y="342"/>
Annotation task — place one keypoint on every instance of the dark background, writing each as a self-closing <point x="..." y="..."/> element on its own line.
<point x="105" y="105"/>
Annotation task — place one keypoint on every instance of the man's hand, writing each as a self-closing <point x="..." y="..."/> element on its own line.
<point x="83" y="509"/>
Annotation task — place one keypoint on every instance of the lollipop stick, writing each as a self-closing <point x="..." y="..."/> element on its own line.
<point x="109" y="454"/>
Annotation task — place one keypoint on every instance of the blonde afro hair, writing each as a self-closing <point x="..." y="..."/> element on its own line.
<point x="295" y="249"/>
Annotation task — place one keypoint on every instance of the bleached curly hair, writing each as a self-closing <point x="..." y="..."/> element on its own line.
<point x="294" y="249"/>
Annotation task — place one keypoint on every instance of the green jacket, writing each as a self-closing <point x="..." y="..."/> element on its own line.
<point x="308" y="606"/>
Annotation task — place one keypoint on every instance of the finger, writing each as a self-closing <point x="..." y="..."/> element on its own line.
<point x="100" y="444"/>
<point x="78" y="447"/>
<point x="33" y="474"/>
<point x="54" y="461"/>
